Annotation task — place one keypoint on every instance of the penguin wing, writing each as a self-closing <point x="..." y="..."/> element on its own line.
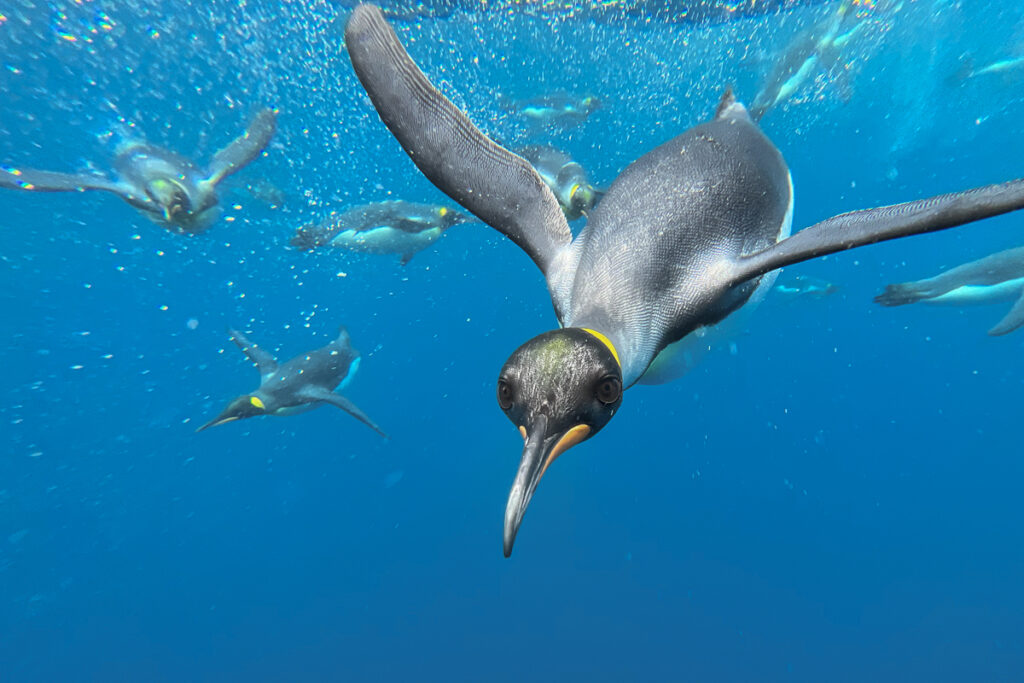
<point x="499" y="187"/>
<point x="868" y="226"/>
<point x="245" y="148"/>
<point x="321" y="394"/>
<point x="1012" y="320"/>
<point x="264" y="362"/>
<point x="49" y="181"/>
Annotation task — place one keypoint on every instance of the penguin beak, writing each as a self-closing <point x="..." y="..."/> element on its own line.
<point x="540" y="450"/>
<point x="219" y="420"/>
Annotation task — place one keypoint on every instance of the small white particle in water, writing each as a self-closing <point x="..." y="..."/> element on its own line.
<point x="163" y="308"/>
<point x="192" y="323"/>
<point x="77" y="367"/>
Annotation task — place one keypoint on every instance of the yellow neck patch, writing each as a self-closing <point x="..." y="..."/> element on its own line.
<point x="256" y="402"/>
<point x="607" y="342"/>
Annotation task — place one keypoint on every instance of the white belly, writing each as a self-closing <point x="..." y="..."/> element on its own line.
<point x="1010" y="290"/>
<point x="385" y="240"/>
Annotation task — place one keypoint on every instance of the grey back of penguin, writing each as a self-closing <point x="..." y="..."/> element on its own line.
<point x="715" y="192"/>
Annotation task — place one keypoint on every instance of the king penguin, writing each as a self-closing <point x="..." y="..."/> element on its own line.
<point x="685" y="236"/>
<point x="301" y="384"/>
<point x="169" y="189"/>
<point x="996" y="278"/>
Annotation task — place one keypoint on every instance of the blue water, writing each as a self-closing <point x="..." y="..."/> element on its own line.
<point x="835" y="497"/>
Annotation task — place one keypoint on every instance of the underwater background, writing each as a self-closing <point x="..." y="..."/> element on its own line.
<point x="832" y="496"/>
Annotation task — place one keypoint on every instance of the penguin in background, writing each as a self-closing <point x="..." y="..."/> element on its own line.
<point x="302" y="383"/>
<point x="167" y="188"/>
<point x="690" y="233"/>
<point x="812" y="51"/>
<point x="557" y="110"/>
<point x="390" y="227"/>
<point x="566" y="179"/>
<point x="997" y="278"/>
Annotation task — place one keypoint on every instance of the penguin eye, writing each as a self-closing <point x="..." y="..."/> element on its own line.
<point x="505" y="394"/>
<point x="608" y="390"/>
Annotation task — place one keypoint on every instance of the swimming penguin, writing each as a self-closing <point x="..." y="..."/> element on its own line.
<point x="814" y="50"/>
<point x="391" y="227"/>
<point x="1010" y="66"/>
<point x="996" y="278"/>
<point x="169" y="189"/>
<point x="303" y="383"/>
<point x="566" y="178"/>
<point x="805" y="286"/>
<point x="559" y="109"/>
<point x="686" y="235"/>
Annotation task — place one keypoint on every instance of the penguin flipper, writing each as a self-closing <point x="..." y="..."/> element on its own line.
<point x="868" y="226"/>
<point x="1011" y="321"/>
<point x="49" y="181"/>
<point x="321" y="394"/>
<point x="265" y="363"/>
<point x="499" y="187"/>
<point x="245" y="148"/>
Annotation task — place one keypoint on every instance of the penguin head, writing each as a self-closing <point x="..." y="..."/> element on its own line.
<point x="239" y="409"/>
<point x="582" y="198"/>
<point x="449" y="217"/>
<point x="171" y="196"/>
<point x="591" y="102"/>
<point x="560" y="388"/>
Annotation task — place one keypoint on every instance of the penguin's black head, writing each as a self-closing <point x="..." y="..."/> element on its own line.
<point x="582" y="198"/>
<point x="559" y="389"/>
<point x="239" y="409"/>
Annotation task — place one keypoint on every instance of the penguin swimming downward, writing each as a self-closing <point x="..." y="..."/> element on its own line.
<point x="996" y="278"/>
<point x="303" y="383"/>
<point x="169" y="189"/>
<point x="685" y="236"/>
<point x="391" y="227"/>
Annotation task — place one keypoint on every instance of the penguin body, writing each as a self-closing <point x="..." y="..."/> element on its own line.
<point x="167" y="188"/>
<point x="391" y="227"/>
<point x="559" y="109"/>
<point x="997" y="278"/>
<point x="566" y="179"/>
<point x="803" y="286"/>
<point x="300" y="384"/>
<point x="688" y="234"/>
<point x="810" y="52"/>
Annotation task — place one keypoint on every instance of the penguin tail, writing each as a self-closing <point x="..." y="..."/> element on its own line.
<point x="901" y="294"/>
<point x="724" y="104"/>
<point x="343" y="336"/>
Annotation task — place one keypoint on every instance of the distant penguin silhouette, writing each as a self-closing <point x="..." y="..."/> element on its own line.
<point x="303" y="383"/>
<point x="997" y="278"/>
<point x="809" y="53"/>
<point x="691" y="232"/>
<point x="558" y="110"/>
<point x="391" y="227"/>
<point x="566" y="179"/>
<point x="803" y="286"/>
<point x="169" y="189"/>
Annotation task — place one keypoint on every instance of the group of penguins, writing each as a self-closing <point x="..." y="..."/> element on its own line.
<point x="687" y="235"/>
